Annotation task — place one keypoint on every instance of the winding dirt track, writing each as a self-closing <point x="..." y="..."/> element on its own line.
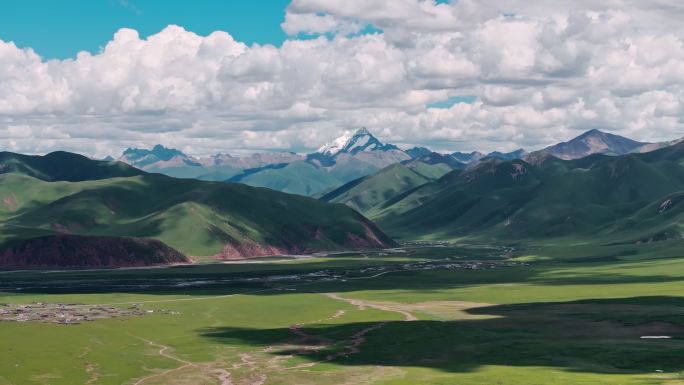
<point x="362" y="305"/>
<point x="260" y="377"/>
<point x="357" y="339"/>
<point x="90" y="367"/>
<point x="163" y="352"/>
<point x="223" y="376"/>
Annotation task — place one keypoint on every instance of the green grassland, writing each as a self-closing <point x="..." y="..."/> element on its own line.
<point x="574" y="315"/>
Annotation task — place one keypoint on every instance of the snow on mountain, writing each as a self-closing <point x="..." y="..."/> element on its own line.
<point x="361" y="140"/>
<point x="336" y="145"/>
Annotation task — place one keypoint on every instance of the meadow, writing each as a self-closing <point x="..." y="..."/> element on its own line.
<point x="572" y="314"/>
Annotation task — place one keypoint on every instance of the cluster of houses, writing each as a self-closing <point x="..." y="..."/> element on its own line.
<point x="66" y="313"/>
<point x="443" y="265"/>
<point x="370" y="271"/>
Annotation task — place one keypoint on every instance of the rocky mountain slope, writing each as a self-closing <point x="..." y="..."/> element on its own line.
<point x="593" y="142"/>
<point x="64" y="250"/>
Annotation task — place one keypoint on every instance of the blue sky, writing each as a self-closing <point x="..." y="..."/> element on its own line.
<point x="60" y="29"/>
<point x="448" y="103"/>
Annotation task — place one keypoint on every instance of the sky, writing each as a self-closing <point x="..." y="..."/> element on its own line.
<point x="209" y="76"/>
<point x="61" y="29"/>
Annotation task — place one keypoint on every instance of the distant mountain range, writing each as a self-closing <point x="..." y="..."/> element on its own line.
<point x="351" y="156"/>
<point x="348" y="157"/>
<point x="63" y="209"/>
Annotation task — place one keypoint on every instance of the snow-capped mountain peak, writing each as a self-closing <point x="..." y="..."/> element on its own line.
<point x="336" y="145"/>
<point x="361" y="140"/>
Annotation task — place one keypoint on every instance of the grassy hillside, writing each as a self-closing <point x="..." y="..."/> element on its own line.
<point x="319" y="174"/>
<point x="194" y="217"/>
<point x="298" y="177"/>
<point x="365" y="193"/>
<point x="430" y="171"/>
<point x="210" y="173"/>
<point x="599" y="195"/>
<point x="63" y="166"/>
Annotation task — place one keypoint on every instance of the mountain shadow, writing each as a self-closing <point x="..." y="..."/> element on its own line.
<point x="590" y="336"/>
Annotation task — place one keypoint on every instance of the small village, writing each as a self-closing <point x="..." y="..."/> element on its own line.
<point x="446" y="264"/>
<point x="374" y="271"/>
<point x="68" y="313"/>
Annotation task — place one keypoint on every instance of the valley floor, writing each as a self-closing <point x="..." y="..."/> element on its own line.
<point x="568" y="314"/>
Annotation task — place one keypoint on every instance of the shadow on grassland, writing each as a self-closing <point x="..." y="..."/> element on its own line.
<point x="592" y="336"/>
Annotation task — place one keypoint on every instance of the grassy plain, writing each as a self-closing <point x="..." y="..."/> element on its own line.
<point x="575" y="315"/>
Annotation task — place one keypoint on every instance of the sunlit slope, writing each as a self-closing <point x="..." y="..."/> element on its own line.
<point x="369" y="193"/>
<point x="364" y="193"/>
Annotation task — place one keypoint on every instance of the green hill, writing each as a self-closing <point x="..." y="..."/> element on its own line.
<point x="364" y="194"/>
<point x="194" y="217"/>
<point x="616" y="197"/>
<point x="63" y="166"/>
<point x="210" y="173"/>
<point x="299" y="177"/>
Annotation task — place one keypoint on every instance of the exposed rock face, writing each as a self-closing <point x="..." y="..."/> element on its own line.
<point x="371" y="237"/>
<point x="593" y="142"/>
<point x="252" y="249"/>
<point x="89" y="251"/>
<point x="648" y="147"/>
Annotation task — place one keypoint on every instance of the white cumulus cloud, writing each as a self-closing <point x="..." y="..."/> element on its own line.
<point x="539" y="73"/>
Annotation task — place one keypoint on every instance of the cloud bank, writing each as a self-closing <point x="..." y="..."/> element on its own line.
<point x="539" y="74"/>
